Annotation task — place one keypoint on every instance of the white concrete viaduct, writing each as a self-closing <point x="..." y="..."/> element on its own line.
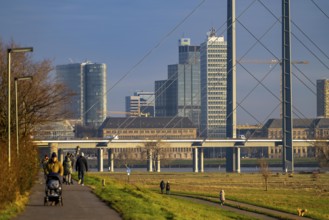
<point x="197" y="145"/>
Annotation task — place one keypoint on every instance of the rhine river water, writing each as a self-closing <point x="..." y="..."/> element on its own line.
<point x="213" y="169"/>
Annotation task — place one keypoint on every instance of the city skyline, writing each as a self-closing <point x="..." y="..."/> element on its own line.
<point x="122" y="34"/>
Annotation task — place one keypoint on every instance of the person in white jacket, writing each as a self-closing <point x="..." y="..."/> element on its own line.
<point x="221" y="197"/>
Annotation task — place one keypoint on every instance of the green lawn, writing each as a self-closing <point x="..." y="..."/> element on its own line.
<point x="135" y="202"/>
<point x="284" y="193"/>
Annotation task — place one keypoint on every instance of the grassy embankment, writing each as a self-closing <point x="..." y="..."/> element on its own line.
<point x="140" y="198"/>
<point x="135" y="202"/>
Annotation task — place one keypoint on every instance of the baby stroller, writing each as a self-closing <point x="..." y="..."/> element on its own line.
<point x="53" y="190"/>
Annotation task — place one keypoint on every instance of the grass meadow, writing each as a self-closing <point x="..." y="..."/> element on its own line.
<point x="138" y="197"/>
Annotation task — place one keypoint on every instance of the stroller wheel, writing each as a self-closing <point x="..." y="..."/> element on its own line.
<point x="46" y="201"/>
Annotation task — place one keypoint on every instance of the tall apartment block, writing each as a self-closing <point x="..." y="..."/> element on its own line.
<point x="140" y="104"/>
<point x="322" y="98"/>
<point x="179" y="95"/>
<point x="213" y="86"/>
<point x="88" y="82"/>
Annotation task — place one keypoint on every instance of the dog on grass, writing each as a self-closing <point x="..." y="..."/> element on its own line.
<point x="301" y="212"/>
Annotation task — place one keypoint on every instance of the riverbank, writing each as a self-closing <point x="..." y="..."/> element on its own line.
<point x="218" y="163"/>
<point x="284" y="193"/>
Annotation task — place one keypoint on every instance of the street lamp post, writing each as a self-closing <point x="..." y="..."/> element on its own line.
<point x="16" y="105"/>
<point x="9" y="52"/>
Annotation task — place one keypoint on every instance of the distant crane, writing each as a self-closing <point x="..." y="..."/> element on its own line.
<point x="274" y="61"/>
<point x="136" y="114"/>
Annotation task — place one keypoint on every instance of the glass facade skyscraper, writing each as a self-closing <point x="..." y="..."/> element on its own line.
<point x="213" y="86"/>
<point x="182" y="88"/>
<point x="160" y="91"/>
<point x="88" y="83"/>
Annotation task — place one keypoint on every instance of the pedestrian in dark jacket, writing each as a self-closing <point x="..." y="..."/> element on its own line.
<point x="168" y="188"/>
<point x="44" y="165"/>
<point x="81" y="166"/>
<point x="162" y="186"/>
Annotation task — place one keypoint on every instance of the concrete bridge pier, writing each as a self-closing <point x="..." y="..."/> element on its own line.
<point x="158" y="164"/>
<point x="201" y="167"/>
<point x="60" y="155"/>
<point x="100" y="157"/>
<point x="195" y="160"/>
<point x="233" y="159"/>
<point x="110" y="159"/>
<point x="149" y="161"/>
<point x="238" y="159"/>
<point x="53" y="147"/>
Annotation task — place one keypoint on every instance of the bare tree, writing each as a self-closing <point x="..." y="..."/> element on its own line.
<point x="322" y="152"/>
<point x="158" y="151"/>
<point x="40" y="100"/>
<point x="125" y="157"/>
<point x="264" y="170"/>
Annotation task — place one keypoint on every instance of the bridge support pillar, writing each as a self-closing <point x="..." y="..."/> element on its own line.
<point x="149" y="161"/>
<point x="233" y="159"/>
<point x="158" y="163"/>
<point x="237" y="159"/>
<point x="53" y="147"/>
<point x="195" y="160"/>
<point x="201" y="160"/>
<point x="110" y="160"/>
<point x="60" y="155"/>
<point x="100" y="159"/>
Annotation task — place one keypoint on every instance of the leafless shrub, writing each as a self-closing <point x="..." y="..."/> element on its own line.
<point x="39" y="101"/>
<point x="264" y="170"/>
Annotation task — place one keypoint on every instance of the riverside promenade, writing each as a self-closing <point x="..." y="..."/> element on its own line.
<point x="79" y="203"/>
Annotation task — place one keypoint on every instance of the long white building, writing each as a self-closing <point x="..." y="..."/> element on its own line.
<point x="213" y="53"/>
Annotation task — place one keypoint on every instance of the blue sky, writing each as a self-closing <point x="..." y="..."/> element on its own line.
<point x="120" y="33"/>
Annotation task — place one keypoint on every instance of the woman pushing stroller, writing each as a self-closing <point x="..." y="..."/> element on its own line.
<point x="53" y="190"/>
<point x="54" y="166"/>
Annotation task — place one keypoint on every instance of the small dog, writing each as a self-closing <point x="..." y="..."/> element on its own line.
<point x="301" y="212"/>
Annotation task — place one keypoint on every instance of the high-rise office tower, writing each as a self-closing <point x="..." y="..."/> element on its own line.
<point x="179" y="95"/>
<point x="213" y="86"/>
<point x="322" y="98"/>
<point x="140" y="104"/>
<point x="88" y="83"/>
<point x="161" y="88"/>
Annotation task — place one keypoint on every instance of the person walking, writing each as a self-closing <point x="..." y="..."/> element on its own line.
<point x="44" y="163"/>
<point x="162" y="186"/>
<point x="221" y="197"/>
<point x="168" y="188"/>
<point x="72" y="158"/>
<point x="81" y="166"/>
<point x="67" y="164"/>
<point x="54" y="167"/>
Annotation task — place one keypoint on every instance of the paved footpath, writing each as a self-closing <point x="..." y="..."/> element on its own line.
<point x="79" y="203"/>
